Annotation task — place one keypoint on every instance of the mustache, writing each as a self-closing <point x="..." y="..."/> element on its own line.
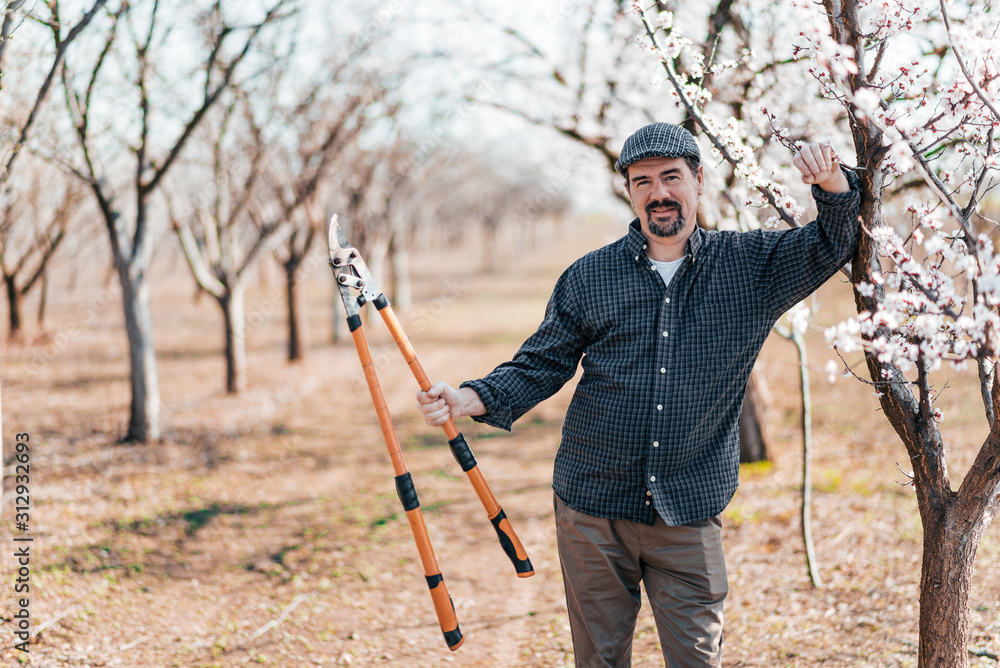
<point x="668" y="203"/>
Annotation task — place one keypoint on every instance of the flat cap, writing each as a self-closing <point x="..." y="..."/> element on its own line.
<point x="657" y="140"/>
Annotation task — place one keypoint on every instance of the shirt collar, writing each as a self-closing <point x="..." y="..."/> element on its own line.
<point x="636" y="241"/>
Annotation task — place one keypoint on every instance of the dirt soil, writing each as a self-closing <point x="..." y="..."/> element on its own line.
<point x="264" y="529"/>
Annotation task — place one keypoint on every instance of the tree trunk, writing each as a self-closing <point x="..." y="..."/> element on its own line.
<point x="753" y="433"/>
<point x="232" y="304"/>
<point x="340" y="332"/>
<point x="402" y="286"/>
<point x="491" y="246"/>
<point x="806" y="510"/>
<point x="295" y="351"/>
<point x="14" y="303"/>
<point x="43" y="299"/>
<point x="376" y="253"/>
<point x="144" y="418"/>
<point x="945" y="582"/>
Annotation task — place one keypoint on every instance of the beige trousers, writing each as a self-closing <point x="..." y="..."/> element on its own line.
<point x="682" y="568"/>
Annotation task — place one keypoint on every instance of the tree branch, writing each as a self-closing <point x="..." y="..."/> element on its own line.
<point x="201" y="272"/>
<point x="961" y="63"/>
<point x="697" y="116"/>
<point x="43" y="92"/>
<point x="210" y="96"/>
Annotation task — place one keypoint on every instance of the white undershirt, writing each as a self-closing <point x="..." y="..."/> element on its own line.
<point x="667" y="269"/>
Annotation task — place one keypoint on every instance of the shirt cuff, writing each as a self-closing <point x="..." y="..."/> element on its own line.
<point x="496" y="403"/>
<point x="823" y="196"/>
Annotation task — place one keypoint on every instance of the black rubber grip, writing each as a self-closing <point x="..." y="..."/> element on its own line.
<point x="463" y="453"/>
<point x="406" y="492"/>
<point x="453" y="637"/>
<point x="380" y="302"/>
<point x="353" y="322"/>
<point x="520" y="565"/>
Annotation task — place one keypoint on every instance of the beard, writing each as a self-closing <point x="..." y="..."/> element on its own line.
<point x="666" y="227"/>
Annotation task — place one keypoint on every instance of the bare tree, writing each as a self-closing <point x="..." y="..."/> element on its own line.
<point x="25" y="246"/>
<point x="62" y="38"/>
<point x="295" y="250"/>
<point x="224" y="237"/>
<point x="227" y="43"/>
<point x="322" y="127"/>
<point x="32" y="226"/>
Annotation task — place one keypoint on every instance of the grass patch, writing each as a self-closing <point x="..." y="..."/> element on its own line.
<point x="754" y="470"/>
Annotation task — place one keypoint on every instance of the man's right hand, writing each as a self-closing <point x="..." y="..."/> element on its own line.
<point x="443" y="402"/>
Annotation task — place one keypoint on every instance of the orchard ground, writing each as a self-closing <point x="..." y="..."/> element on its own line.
<point x="264" y="529"/>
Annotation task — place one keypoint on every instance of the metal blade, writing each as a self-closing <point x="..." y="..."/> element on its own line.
<point x="336" y="239"/>
<point x="350" y="271"/>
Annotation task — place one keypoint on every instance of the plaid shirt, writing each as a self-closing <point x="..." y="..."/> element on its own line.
<point x="654" y="421"/>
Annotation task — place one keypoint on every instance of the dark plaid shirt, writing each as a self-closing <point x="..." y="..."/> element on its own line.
<point x="654" y="421"/>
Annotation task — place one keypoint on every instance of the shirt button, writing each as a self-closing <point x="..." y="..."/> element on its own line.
<point x="663" y="370"/>
<point x="648" y="493"/>
<point x="656" y="444"/>
<point x="647" y="503"/>
<point x="659" y="407"/>
<point x="665" y="333"/>
<point x="652" y="478"/>
<point x="637" y="257"/>
<point x="667" y="300"/>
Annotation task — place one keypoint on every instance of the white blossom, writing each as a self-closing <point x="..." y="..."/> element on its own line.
<point x="831" y="371"/>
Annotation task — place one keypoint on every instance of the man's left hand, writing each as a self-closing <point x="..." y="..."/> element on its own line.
<point x="820" y="166"/>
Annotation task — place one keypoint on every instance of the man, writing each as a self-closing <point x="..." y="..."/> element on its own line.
<point x="668" y="322"/>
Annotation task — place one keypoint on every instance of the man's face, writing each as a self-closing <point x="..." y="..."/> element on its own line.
<point x="664" y="194"/>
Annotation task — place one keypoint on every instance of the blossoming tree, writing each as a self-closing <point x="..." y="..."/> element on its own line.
<point x="914" y="86"/>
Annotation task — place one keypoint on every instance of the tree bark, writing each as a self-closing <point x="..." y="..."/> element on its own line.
<point x="43" y="299"/>
<point x="144" y="415"/>
<point x="340" y="332"/>
<point x="14" y="306"/>
<point x="806" y="511"/>
<point x="295" y="351"/>
<point x="232" y="303"/>
<point x="753" y="433"/>
<point x="402" y="286"/>
<point x="376" y="253"/>
<point x="491" y="246"/>
<point x="945" y="582"/>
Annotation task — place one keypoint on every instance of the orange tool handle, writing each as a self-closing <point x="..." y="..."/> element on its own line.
<point x="443" y="606"/>
<point x="463" y="453"/>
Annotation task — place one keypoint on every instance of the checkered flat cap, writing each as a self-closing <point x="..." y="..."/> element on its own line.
<point x="657" y="140"/>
